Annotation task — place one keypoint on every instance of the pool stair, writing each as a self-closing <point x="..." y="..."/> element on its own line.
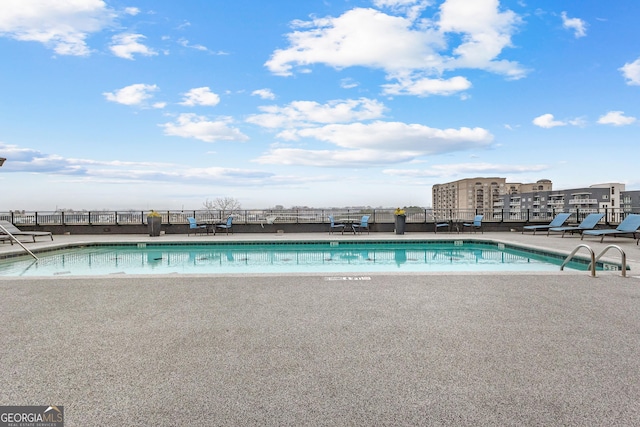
<point x="594" y="258"/>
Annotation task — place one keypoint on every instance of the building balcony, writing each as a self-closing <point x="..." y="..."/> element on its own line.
<point x="583" y="201"/>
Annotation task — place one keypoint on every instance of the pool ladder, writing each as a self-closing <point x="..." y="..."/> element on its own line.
<point x="12" y="237"/>
<point x="594" y="258"/>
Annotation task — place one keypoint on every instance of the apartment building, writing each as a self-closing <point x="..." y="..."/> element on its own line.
<point x="468" y="194"/>
<point x="481" y="194"/>
<point x="519" y="201"/>
<point x="543" y="202"/>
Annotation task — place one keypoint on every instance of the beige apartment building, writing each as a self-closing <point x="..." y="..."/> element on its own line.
<point x="481" y="194"/>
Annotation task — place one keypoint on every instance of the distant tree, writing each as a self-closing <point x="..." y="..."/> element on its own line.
<point x="226" y="205"/>
<point x="414" y="208"/>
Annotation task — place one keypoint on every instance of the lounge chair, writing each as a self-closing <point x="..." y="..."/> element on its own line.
<point x="557" y="222"/>
<point x="334" y="226"/>
<point x="439" y="225"/>
<point x="589" y="223"/>
<point x="15" y="231"/>
<point x="629" y="225"/>
<point x="196" y="228"/>
<point x="226" y="226"/>
<point x="364" y="225"/>
<point x="476" y="224"/>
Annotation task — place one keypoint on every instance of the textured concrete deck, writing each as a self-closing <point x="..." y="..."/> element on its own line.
<point x="404" y="349"/>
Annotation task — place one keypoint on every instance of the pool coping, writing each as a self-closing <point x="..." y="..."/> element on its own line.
<point x="509" y="240"/>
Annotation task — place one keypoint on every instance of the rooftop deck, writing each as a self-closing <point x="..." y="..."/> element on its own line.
<point x="397" y="349"/>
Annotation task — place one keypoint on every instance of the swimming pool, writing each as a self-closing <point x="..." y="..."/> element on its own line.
<point x="300" y="257"/>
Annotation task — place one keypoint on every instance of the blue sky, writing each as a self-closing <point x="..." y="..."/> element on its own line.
<point x="141" y="104"/>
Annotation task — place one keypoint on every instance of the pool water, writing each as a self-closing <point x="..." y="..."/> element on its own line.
<point x="322" y="257"/>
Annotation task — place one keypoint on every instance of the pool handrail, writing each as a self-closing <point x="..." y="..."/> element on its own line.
<point x="592" y="265"/>
<point x="623" y="255"/>
<point x="12" y="237"/>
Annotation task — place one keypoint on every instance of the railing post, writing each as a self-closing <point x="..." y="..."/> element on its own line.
<point x="36" y="216"/>
<point x="63" y="218"/>
<point x="168" y="217"/>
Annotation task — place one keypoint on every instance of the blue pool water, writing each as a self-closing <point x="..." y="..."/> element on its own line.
<point x="325" y="257"/>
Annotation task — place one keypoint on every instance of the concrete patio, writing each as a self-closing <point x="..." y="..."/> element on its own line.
<point x="387" y="349"/>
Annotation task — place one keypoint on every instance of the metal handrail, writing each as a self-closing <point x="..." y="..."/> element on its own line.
<point x="624" y="257"/>
<point x="18" y="242"/>
<point x="592" y="265"/>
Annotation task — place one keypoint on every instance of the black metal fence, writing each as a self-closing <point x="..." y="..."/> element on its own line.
<point x="298" y="216"/>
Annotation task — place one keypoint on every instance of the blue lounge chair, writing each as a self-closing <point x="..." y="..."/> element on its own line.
<point x="196" y="228"/>
<point x="629" y="225"/>
<point x="335" y="226"/>
<point x="226" y="226"/>
<point x="476" y="224"/>
<point x="439" y="225"/>
<point x="364" y="225"/>
<point x="589" y="223"/>
<point x="557" y="222"/>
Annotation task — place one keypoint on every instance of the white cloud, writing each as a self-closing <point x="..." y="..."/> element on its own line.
<point x="135" y="94"/>
<point x="578" y="26"/>
<point x="264" y="93"/>
<point x="391" y="136"/>
<point x="405" y="47"/>
<point x="305" y="113"/>
<point x="427" y="86"/>
<point x="375" y="144"/>
<point x="200" y="96"/>
<point x="126" y="45"/>
<point x="359" y="37"/>
<point x="133" y="11"/>
<point x="466" y="169"/>
<point x="184" y="42"/>
<point x="616" y="118"/>
<point x="631" y="72"/>
<point x="34" y="161"/>
<point x="396" y="3"/>
<point x="485" y="32"/>
<point x="62" y="25"/>
<point x="412" y="8"/>
<point x="547" y="121"/>
<point x="199" y="127"/>
<point x="348" y="83"/>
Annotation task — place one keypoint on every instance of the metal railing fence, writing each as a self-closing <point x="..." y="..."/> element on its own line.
<point x="300" y="216"/>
